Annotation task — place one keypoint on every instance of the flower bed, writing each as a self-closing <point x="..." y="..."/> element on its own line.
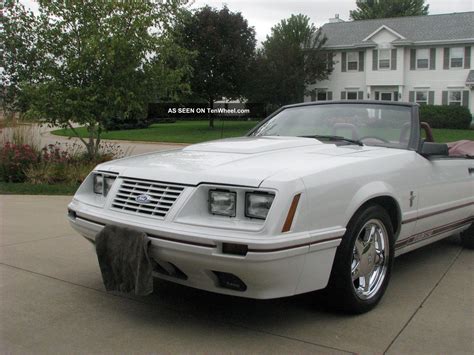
<point x="54" y="164"/>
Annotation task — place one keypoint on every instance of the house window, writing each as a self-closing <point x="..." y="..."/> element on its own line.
<point x="322" y="95"/>
<point x="421" y="97"/>
<point x="384" y="58"/>
<point x="422" y="58"/>
<point x="455" y="98"/>
<point x="456" y="56"/>
<point x="352" y="95"/>
<point x="352" y="61"/>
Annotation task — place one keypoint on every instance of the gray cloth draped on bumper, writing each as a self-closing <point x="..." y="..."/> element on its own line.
<point x="124" y="261"/>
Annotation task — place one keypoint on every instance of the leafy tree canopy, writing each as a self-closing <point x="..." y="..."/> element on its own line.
<point x="224" y="44"/>
<point x="371" y="9"/>
<point x="290" y="59"/>
<point x="87" y="62"/>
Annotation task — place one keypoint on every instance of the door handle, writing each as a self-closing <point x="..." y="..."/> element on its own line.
<point x="471" y="171"/>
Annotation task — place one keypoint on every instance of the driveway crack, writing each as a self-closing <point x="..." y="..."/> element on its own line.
<point x="36" y="240"/>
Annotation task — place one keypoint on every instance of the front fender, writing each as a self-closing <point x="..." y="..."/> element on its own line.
<point x="369" y="192"/>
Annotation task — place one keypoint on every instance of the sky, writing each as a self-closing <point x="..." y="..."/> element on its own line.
<point x="263" y="14"/>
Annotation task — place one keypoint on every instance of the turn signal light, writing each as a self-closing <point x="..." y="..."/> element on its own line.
<point x="291" y="213"/>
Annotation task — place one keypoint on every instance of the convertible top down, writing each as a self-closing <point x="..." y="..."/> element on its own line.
<point x="319" y="195"/>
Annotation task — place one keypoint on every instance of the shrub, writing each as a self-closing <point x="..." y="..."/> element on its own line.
<point x="453" y="117"/>
<point x="68" y="163"/>
<point x="129" y="122"/>
<point x="42" y="173"/>
<point x="72" y="173"/>
<point x="55" y="163"/>
<point x="14" y="160"/>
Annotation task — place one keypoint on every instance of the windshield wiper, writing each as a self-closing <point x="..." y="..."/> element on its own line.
<point x="336" y="138"/>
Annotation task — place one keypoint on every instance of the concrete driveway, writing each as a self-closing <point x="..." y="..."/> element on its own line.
<point x="52" y="300"/>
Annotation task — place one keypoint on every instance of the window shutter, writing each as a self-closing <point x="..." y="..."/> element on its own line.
<point x="430" y="97"/>
<point x="413" y="59"/>
<point x="432" y="58"/>
<point x="343" y="61"/>
<point x="361" y="60"/>
<point x="395" y="96"/>
<point x="377" y="95"/>
<point x="444" y="100"/>
<point x="329" y="95"/>
<point x="360" y="95"/>
<point x="394" y="59"/>
<point x="446" y="58"/>
<point x="313" y="96"/>
<point x="330" y="60"/>
<point x="343" y="95"/>
<point x="411" y="96"/>
<point x="465" y="98"/>
<point x="375" y="59"/>
<point x="467" y="58"/>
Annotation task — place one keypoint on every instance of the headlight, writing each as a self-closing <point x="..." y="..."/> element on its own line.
<point x="98" y="184"/>
<point x="102" y="184"/>
<point x="108" y="182"/>
<point x="222" y="203"/>
<point x="257" y="205"/>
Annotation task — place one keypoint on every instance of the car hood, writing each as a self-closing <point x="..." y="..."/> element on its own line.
<point x="245" y="161"/>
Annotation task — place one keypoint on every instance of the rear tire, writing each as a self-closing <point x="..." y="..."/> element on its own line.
<point x="363" y="262"/>
<point x="467" y="238"/>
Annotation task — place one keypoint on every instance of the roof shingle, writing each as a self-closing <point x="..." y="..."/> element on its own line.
<point x="443" y="27"/>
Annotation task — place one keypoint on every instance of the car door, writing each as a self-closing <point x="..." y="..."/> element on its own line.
<point x="446" y="195"/>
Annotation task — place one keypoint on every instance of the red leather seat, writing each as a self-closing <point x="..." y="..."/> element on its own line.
<point x="461" y="148"/>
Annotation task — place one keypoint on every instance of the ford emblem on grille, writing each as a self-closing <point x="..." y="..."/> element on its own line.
<point x="143" y="198"/>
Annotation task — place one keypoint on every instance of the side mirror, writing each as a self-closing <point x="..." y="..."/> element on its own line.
<point x="429" y="149"/>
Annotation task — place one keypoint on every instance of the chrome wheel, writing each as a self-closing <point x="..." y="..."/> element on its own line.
<point x="370" y="259"/>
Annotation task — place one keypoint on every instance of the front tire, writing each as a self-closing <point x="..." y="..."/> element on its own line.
<point x="467" y="237"/>
<point x="363" y="262"/>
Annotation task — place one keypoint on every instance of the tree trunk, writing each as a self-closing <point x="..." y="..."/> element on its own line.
<point x="211" y="116"/>
<point x="93" y="143"/>
<point x="92" y="150"/>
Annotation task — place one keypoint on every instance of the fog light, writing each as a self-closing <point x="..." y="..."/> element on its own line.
<point x="230" y="281"/>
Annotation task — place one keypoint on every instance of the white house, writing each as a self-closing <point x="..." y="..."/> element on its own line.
<point x="424" y="59"/>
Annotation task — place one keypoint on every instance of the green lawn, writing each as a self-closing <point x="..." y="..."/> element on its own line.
<point x="179" y="132"/>
<point x="9" y="188"/>
<point x="199" y="131"/>
<point x="452" y="135"/>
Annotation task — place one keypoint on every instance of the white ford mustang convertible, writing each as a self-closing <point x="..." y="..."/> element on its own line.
<point x="319" y="195"/>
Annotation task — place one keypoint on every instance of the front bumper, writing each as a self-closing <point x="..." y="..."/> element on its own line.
<point x="285" y="267"/>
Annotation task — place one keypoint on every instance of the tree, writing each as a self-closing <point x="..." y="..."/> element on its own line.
<point x="371" y="9"/>
<point x="291" y="58"/>
<point x="97" y="60"/>
<point x="224" y="45"/>
<point x="20" y="57"/>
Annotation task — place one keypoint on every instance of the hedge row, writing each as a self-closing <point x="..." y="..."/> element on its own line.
<point x="453" y="117"/>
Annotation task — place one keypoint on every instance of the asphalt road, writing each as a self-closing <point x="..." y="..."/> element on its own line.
<point x="52" y="301"/>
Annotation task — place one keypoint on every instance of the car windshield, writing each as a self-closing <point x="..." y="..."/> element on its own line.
<point x="368" y="124"/>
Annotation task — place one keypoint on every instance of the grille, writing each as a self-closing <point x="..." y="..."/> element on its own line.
<point x="163" y="196"/>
